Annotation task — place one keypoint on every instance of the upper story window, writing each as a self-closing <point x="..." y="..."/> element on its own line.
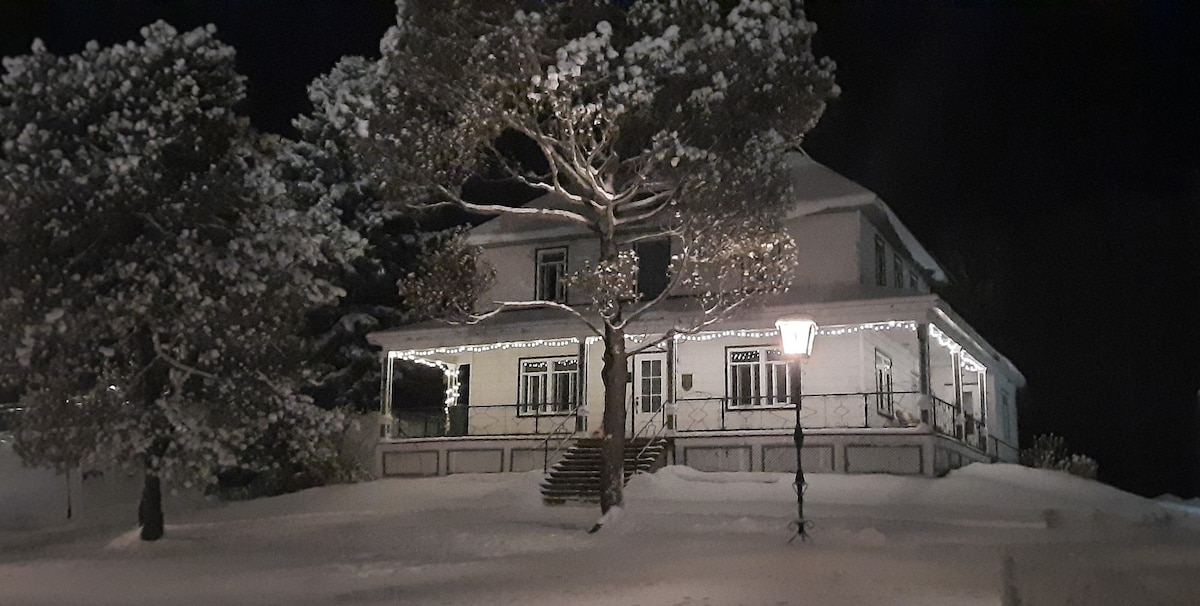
<point x="551" y="279"/>
<point x="897" y="271"/>
<point x="880" y="262"/>
<point x="758" y="376"/>
<point x="549" y="385"/>
<point x="654" y="260"/>
<point x="912" y="281"/>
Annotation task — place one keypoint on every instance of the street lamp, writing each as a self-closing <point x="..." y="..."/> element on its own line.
<point x="796" y="335"/>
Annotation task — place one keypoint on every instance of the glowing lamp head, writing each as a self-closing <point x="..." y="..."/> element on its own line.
<point x="797" y="334"/>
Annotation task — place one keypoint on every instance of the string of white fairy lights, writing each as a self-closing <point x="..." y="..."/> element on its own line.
<point x="422" y="356"/>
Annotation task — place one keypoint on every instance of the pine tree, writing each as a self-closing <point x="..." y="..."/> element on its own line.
<point x="153" y="278"/>
<point x="644" y="120"/>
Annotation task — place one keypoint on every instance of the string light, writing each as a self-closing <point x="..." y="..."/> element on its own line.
<point x="966" y="360"/>
<point x="420" y="356"/>
<point x="416" y="353"/>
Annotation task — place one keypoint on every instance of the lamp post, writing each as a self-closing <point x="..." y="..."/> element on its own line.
<point x="796" y="335"/>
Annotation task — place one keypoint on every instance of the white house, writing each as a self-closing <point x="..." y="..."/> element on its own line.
<point x="897" y="381"/>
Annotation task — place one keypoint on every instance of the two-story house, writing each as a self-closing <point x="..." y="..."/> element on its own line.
<point x="897" y="382"/>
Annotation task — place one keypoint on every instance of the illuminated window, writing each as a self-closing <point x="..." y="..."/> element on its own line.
<point x="884" y="397"/>
<point x="549" y="385"/>
<point x="757" y="376"/>
<point x="551" y="280"/>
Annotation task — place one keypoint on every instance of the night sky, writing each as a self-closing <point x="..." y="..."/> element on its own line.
<point x="1047" y="153"/>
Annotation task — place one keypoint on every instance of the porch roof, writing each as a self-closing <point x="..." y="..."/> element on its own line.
<point x="528" y="325"/>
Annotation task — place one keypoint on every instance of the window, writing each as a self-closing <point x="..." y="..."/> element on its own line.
<point x="548" y="385"/>
<point x="758" y="376"/>
<point x="880" y="262"/>
<point x="897" y="271"/>
<point x="654" y="260"/>
<point x="884" y="398"/>
<point x="551" y="282"/>
<point x="912" y="281"/>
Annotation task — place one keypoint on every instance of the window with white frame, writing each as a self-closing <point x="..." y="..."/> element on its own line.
<point x="548" y="385"/>
<point x="757" y="377"/>
<point x="884" y="395"/>
<point x="551" y="279"/>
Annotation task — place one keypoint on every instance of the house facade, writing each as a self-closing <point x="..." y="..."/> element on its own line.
<point x="897" y="382"/>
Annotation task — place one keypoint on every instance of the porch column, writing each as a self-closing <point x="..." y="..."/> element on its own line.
<point x="923" y="371"/>
<point x="923" y="357"/>
<point x="385" y="397"/>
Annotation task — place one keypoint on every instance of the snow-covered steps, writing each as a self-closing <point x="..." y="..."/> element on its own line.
<point x="576" y="477"/>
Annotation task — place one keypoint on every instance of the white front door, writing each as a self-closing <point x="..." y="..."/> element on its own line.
<point x="649" y="380"/>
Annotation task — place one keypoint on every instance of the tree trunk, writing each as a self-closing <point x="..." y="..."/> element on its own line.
<point x="615" y="375"/>
<point x="150" y="513"/>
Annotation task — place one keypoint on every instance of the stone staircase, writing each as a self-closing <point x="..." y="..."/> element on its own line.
<point x="576" y="478"/>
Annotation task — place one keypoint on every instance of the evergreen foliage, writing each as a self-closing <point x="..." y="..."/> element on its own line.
<point x="636" y="120"/>
<point x="153" y="275"/>
<point x="1050" y="451"/>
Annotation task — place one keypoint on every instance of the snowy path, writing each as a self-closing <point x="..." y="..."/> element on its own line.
<point x="687" y="539"/>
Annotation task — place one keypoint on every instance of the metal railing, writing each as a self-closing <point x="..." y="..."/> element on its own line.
<point x="563" y="436"/>
<point x="482" y="420"/>
<point x="659" y="415"/>
<point x="818" y="411"/>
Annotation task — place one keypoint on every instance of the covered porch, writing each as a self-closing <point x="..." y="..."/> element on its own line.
<point x="918" y="380"/>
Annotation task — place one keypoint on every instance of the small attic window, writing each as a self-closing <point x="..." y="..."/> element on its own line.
<point x="551" y="280"/>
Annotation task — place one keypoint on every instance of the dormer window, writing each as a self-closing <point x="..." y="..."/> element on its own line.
<point x="551" y="280"/>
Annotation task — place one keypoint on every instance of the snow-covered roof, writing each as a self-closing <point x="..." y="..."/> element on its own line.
<point x="818" y="189"/>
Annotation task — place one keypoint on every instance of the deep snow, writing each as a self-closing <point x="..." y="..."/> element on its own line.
<point x="995" y="534"/>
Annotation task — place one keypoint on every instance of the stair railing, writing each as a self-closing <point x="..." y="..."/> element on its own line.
<point x="650" y="441"/>
<point x="566" y="437"/>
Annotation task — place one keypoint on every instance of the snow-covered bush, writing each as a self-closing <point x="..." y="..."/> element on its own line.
<point x="1049" y="451"/>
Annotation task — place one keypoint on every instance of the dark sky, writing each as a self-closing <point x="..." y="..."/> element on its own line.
<point x="1047" y="153"/>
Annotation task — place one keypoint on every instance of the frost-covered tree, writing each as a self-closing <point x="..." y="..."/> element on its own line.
<point x="153" y="278"/>
<point x="647" y="119"/>
<point x="322" y="167"/>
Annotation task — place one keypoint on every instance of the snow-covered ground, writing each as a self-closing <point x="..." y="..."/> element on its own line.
<point x="995" y="534"/>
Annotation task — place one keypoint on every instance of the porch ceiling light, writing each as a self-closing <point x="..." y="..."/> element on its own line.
<point x="797" y="334"/>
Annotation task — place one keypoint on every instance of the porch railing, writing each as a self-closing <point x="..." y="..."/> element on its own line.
<point x="818" y="411"/>
<point x="483" y="420"/>
<point x="951" y="420"/>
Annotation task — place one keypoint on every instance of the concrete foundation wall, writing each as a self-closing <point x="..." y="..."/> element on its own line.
<point x="444" y="456"/>
<point x="893" y="451"/>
